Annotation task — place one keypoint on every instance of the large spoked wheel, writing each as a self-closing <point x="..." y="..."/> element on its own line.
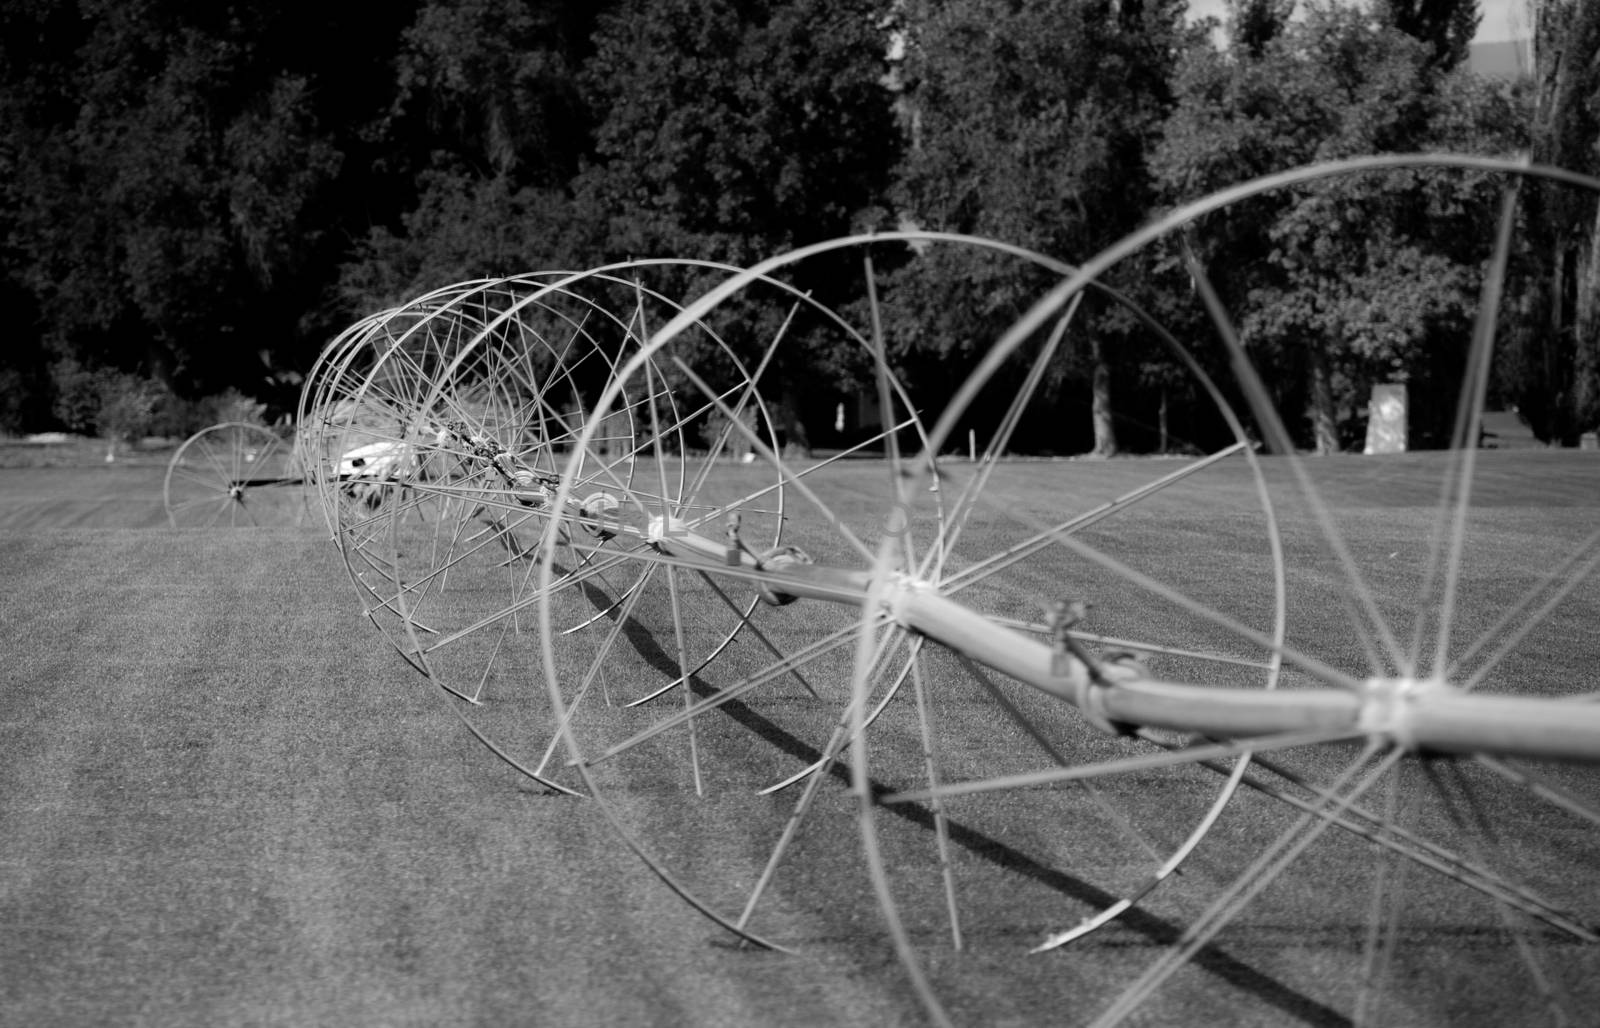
<point x="480" y="400"/>
<point x="234" y="475"/>
<point x="1364" y="873"/>
<point x="751" y="757"/>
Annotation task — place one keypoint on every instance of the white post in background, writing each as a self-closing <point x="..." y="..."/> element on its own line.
<point x="1386" y="419"/>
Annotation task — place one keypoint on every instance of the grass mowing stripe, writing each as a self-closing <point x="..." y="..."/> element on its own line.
<point x="226" y="800"/>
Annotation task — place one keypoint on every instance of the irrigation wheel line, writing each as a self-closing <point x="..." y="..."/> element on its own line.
<point x="444" y="567"/>
<point x="609" y="589"/>
<point x="1430" y="817"/>
<point x="981" y="699"/>
<point x="234" y="475"/>
<point x="328" y="419"/>
<point x="788" y="690"/>
<point x="436" y="544"/>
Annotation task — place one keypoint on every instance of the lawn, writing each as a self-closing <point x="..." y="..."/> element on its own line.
<point x="228" y="800"/>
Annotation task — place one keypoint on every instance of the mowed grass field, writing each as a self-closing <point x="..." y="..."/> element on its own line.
<point x="226" y="799"/>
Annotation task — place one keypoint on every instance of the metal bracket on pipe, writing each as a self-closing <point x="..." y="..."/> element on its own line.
<point x="1387" y="706"/>
<point x="1063" y="616"/>
<point x="780" y="559"/>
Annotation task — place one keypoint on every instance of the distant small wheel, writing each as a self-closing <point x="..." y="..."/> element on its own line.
<point x="234" y="475"/>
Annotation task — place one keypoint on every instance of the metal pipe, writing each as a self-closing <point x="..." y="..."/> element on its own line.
<point x="1420" y="716"/>
<point x="1550" y="728"/>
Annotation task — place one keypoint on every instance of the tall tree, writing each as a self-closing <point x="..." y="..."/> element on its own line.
<point x="1252" y="24"/>
<point x="732" y="130"/>
<point x="487" y="123"/>
<point x="495" y="83"/>
<point x="1029" y="122"/>
<point x="1446" y="27"/>
<point x="162" y="217"/>
<point x="1355" y="280"/>
<point x="176" y="177"/>
<point x="1551" y="363"/>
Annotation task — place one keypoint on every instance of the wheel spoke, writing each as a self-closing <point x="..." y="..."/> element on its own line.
<point x="1470" y="416"/>
<point x="1365" y="612"/>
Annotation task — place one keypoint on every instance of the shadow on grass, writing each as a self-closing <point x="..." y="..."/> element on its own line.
<point x="1159" y="931"/>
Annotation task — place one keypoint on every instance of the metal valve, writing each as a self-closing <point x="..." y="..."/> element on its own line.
<point x="731" y="557"/>
<point x="1063" y="616"/>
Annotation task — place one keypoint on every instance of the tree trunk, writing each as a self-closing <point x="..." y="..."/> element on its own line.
<point x="796" y="443"/>
<point x="1105" y="433"/>
<point x="1161" y="420"/>
<point x="1324" y="422"/>
<point x="1559" y="381"/>
<point x="1586" y="319"/>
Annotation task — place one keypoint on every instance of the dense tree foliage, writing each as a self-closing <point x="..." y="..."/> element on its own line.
<point x="1551" y="369"/>
<point x="193" y="198"/>
<point x="1253" y="24"/>
<point x="1361" y="280"/>
<point x="1058" y="167"/>
<point x="180" y="179"/>
<point x="488" y="125"/>
<point x="731" y="130"/>
<point x="1445" y="27"/>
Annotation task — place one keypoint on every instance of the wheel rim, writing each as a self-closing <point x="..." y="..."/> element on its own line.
<point x="782" y="674"/>
<point x="1447" y="816"/>
<point x="233" y="475"/>
<point x="1433" y="814"/>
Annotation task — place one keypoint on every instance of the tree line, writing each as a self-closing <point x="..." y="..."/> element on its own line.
<point x="194" y="198"/>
